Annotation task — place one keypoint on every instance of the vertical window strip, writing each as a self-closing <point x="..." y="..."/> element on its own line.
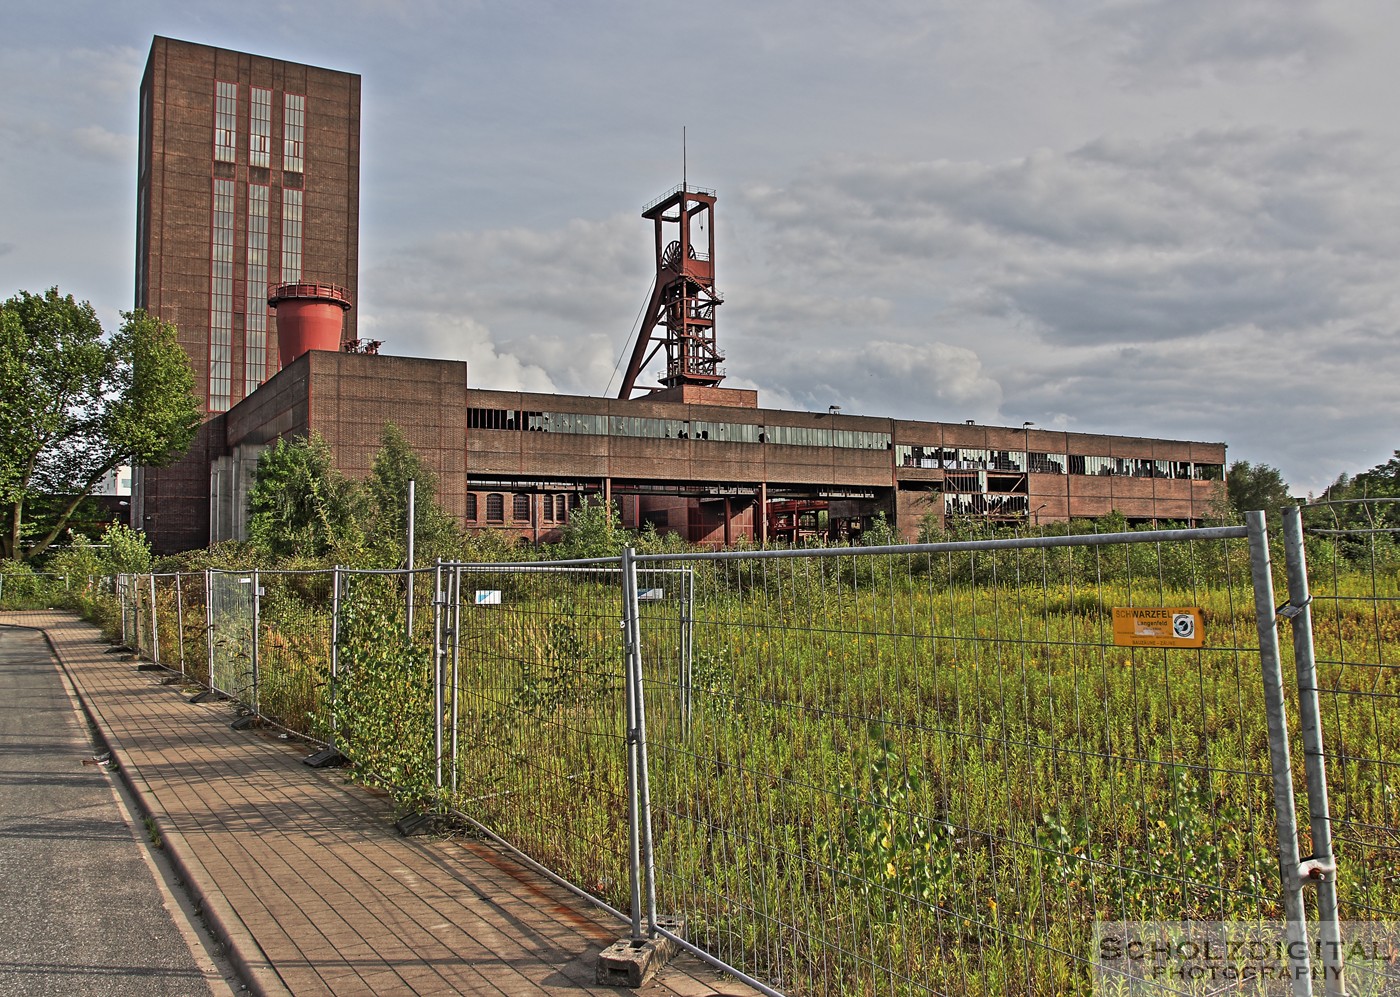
<point x="225" y="122"/>
<point x="291" y="235"/>
<point x="293" y="132"/>
<point x="260" y="128"/>
<point x="255" y="308"/>
<point x="221" y="298"/>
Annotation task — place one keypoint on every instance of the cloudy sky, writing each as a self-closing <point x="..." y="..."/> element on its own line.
<point x="1172" y="218"/>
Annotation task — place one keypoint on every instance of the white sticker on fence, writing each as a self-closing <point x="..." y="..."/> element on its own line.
<point x="651" y="595"/>
<point x="488" y="597"/>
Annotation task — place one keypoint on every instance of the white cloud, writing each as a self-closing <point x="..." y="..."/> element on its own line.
<point x="99" y="144"/>
<point x="1198" y="41"/>
<point x="456" y="337"/>
<point x="884" y="378"/>
<point x="556" y="301"/>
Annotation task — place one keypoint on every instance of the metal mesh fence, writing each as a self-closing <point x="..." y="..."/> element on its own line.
<point x="933" y="772"/>
<point x="1353" y="557"/>
<point x="136" y="614"/>
<point x="294" y="651"/>
<point x="534" y="715"/>
<point x="190" y="621"/>
<point x="378" y="696"/>
<point x="232" y="630"/>
<point x="914" y="770"/>
<point x="163" y="618"/>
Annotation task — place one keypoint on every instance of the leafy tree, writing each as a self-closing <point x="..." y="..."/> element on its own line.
<point x="593" y="530"/>
<point x="395" y="465"/>
<point x="1380" y="482"/>
<point x="128" y="551"/>
<point x="880" y="533"/>
<point x="78" y="406"/>
<point x="300" y="505"/>
<point x="1255" y="486"/>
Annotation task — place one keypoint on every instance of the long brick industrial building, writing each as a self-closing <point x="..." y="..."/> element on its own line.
<point x="705" y="462"/>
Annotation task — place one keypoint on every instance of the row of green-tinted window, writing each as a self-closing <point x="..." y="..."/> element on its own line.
<point x="673" y="429"/>
<point x="1018" y="461"/>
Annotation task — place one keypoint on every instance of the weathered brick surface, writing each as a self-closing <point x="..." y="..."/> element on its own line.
<point x="175" y="174"/>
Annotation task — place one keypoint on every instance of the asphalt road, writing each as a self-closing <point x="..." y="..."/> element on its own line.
<point x="83" y="908"/>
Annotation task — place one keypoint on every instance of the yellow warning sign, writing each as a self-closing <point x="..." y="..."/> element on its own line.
<point x="1174" y="626"/>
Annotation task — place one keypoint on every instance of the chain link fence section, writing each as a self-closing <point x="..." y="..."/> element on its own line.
<point x="128" y="594"/>
<point x="932" y="770"/>
<point x="1353" y="561"/>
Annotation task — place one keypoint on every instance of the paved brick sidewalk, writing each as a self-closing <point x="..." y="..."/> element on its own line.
<point x="305" y="877"/>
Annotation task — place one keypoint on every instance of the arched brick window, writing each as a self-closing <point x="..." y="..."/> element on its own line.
<point x="471" y="507"/>
<point x="521" y="511"/>
<point x="495" y="508"/>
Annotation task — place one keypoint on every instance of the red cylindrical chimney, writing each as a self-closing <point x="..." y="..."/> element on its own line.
<point x="310" y="316"/>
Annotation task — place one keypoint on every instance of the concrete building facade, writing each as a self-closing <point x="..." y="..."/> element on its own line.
<point x="248" y="176"/>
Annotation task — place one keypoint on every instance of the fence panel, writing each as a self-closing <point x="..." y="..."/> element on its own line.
<point x="294" y="651"/>
<point x="142" y="632"/>
<point x="533" y="701"/>
<point x="192" y="625"/>
<point x="932" y="772"/>
<point x="232" y="652"/>
<point x="1353" y="560"/>
<point x="377" y="697"/>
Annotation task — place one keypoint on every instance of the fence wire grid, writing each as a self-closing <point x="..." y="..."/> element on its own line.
<point x="1353" y="552"/>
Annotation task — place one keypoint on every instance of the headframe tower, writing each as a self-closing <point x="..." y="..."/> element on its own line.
<point x="681" y="313"/>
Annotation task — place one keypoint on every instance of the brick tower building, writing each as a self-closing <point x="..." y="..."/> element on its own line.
<point x="248" y="177"/>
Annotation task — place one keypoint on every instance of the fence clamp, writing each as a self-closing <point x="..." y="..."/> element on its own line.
<point x="634" y="735"/>
<point x="1291" y="612"/>
<point x="1313" y="870"/>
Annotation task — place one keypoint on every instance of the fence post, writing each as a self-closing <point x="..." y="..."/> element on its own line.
<point x="335" y="655"/>
<point x="257" y="607"/>
<point x="1323" y="861"/>
<point x="180" y="620"/>
<point x="455" y="627"/>
<point x="155" y="624"/>
<point x="687" y="652"/>
<point x="209" y="626"/>
<point x="134" y="583"/>
<point x="437" y="676"/>
<point x="1285" y="813"/>
<point x="408" y="586"/>
<point x="638" y="790"/>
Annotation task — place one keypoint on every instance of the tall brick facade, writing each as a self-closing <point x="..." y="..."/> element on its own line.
<point x="248" y="175"/>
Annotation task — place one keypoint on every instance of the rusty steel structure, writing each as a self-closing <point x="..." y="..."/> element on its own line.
<point x="681" y="313"/>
